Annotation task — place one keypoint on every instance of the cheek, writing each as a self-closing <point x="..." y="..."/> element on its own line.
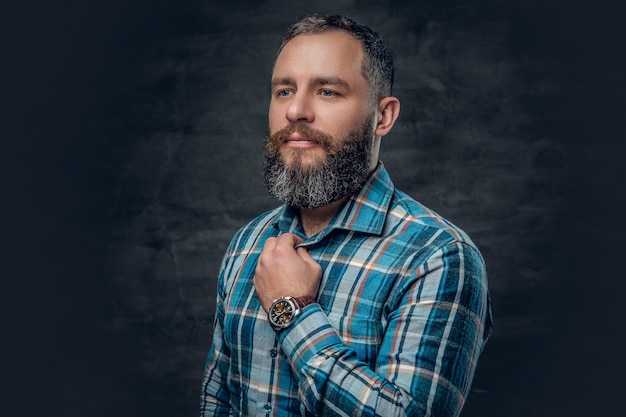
<point x="275" y="125"/>
<point x="272" y="110"/>
<point x="341" y="121"/>
<point x="275" y="121"/>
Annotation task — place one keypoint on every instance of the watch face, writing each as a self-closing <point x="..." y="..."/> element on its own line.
<point x="282" y="312"/>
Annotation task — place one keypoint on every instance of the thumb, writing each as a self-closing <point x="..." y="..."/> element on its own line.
<point x="304" y="254"/>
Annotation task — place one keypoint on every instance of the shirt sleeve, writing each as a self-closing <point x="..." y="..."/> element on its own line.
<point x="439" y="323"/>
<point x="215" y="397"/>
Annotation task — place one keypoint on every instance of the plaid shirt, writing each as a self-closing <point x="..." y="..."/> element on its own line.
<point x="403" y="313"/>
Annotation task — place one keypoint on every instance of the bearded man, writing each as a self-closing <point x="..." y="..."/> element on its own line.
<point x="351" y="298"/>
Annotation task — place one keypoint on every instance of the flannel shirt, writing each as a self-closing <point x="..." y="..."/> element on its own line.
<point x="403" y="314"/>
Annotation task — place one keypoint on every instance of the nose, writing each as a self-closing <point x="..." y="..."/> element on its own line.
<point x="300" y="109"/>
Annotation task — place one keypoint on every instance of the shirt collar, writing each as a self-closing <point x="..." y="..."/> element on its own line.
<point x="364" y="212"/>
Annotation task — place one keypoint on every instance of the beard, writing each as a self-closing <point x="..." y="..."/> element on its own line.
<point x="341" y="174"/>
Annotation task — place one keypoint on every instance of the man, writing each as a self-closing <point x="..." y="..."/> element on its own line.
<point x="352" y="298"/>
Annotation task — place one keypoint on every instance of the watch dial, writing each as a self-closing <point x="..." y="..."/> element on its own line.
<point x="281" y="313"/>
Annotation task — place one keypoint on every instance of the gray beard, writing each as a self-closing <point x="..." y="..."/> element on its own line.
<point x="341" y="175"/>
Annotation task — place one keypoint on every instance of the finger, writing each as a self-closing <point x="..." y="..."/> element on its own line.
<point x="304" y="254"/>
<point x="270" y="244"/>
<point x="290" y="239"/>
<point x="306" y="257"/>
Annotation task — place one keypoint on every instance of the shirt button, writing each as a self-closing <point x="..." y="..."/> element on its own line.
<point x="274" y="353"/>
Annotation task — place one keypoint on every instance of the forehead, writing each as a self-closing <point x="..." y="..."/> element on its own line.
<point x="333" y="53"/>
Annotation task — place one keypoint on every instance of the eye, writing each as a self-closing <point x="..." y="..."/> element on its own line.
<point x="328" y="93"/>
<point x="283" y="93"/>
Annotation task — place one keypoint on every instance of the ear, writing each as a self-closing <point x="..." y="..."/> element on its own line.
<point x="388" y="111"/>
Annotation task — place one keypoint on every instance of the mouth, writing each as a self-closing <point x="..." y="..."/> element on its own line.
<point x="296" y="140"/>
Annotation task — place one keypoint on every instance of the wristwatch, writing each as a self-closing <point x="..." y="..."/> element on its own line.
<point x="284" y="310"/>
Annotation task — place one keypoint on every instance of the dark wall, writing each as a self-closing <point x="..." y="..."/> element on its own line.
<point x="132" y="152"/>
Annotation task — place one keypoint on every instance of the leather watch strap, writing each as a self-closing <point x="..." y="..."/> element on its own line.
<point x="304" y="301"/>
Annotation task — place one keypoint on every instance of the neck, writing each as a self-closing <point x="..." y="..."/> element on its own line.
<point x="315" y="220"/>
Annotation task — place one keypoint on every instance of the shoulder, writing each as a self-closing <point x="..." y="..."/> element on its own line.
<point x="423" y="226"/>
<point x="446" y="259"/>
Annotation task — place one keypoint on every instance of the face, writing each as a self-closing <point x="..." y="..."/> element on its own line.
<point x="317" y="82"/>
<point x="321" y="121"/>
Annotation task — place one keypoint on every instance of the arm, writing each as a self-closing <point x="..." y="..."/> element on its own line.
<point x="436" y="330"/>
<point x="214" y="399"/>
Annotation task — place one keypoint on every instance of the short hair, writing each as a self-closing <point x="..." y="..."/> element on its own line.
<point x="378" y="61"/>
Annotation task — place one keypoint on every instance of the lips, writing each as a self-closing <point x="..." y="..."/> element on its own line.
<point x="297" y="140"/>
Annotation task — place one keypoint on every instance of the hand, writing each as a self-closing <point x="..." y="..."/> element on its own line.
<point x="283" y="270"/>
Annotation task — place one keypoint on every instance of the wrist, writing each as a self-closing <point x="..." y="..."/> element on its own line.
<point x="284" y="310"/>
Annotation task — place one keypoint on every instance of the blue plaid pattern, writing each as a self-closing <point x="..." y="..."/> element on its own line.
<point x="403" y="314"/>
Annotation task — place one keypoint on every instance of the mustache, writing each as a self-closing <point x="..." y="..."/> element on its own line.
<point x="280" y="136"/>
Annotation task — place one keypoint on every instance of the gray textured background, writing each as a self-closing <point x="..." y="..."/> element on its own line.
<point x="132" y="152"/>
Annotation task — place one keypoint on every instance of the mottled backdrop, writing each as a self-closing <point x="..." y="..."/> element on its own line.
<point x="132" y="151"/>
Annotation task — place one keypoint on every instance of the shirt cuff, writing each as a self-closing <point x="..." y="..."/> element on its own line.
<point x="310" y="334"/>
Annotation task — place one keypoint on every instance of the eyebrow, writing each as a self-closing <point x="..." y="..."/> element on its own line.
<point x="320" y="81"/>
